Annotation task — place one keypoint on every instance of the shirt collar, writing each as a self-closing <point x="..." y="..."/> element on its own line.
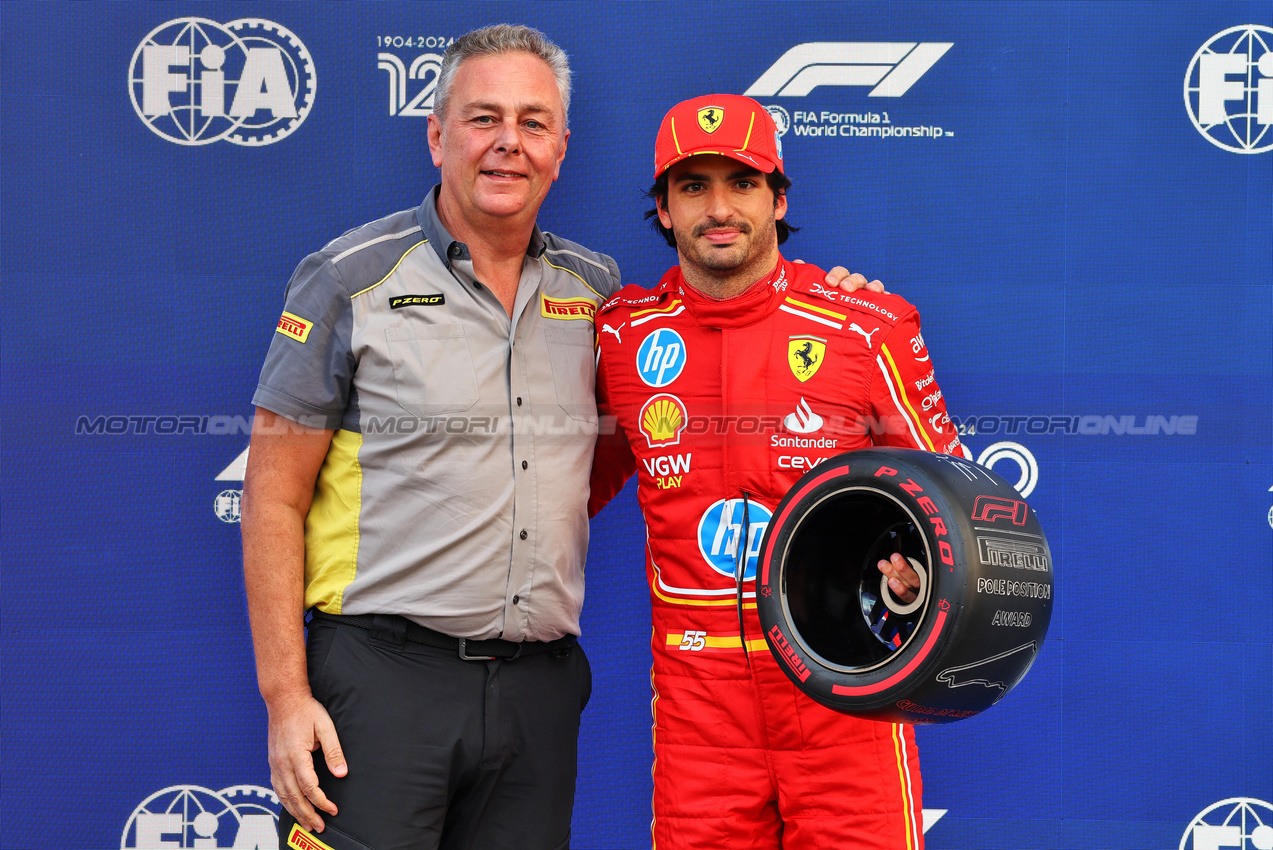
<point x="450" y="250"/>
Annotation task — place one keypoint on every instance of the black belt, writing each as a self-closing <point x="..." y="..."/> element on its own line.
<point x="468" y="650"/>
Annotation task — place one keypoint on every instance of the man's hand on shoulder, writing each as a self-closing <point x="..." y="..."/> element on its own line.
<point x="840" y="276"/>
<point x="850" y="281"/>
<point x="297" y="729"/>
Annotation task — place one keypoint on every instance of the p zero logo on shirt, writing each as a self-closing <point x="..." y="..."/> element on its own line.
<point x="430" y="300"/>
<point x="294" y="326"/>
<point x="567" y="308"/>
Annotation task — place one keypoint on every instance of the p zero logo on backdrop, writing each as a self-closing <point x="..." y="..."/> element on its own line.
<point x="1229" y="89"/>
<point x="249" y="82"/>
<point x="890" y="68"/>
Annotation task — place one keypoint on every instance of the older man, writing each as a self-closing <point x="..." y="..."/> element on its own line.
<point x="402" y="484"/>
<point x="418" y="477"/>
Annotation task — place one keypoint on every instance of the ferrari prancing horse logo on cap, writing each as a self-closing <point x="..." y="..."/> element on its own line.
<point x="710" y="118"/>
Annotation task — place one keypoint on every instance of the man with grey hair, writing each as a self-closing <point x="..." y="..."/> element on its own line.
<point x="418" y="480"/>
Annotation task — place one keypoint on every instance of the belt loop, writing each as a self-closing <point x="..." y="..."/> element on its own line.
<point x="389" y="628"/>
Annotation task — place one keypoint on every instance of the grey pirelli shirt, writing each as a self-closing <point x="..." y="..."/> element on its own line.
<point x="455" y="490"/>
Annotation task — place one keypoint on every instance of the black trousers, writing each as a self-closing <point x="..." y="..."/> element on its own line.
<point x="445" y="753"/>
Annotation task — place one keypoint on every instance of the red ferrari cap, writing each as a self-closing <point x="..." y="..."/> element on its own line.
<point x="725" y="124"/>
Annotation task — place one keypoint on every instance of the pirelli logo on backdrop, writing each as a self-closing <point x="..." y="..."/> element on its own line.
<point x="299" y="839"/>
<point x="567" y="308"/>
<point x="294" y="326"/>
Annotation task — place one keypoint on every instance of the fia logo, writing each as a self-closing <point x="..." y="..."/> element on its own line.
<point x="890" y="68"/>
<point x="720" y="533"/>
<point x="249" y="82"/>
<point x="1229" y="89"/>
<point x="1244" y="823"/>
<point x="227" y="505"/>
<point x="241" y="817"/>
<point x="782" y="122"/>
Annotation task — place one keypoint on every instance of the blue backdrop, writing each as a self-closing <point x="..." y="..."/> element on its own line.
<point x="1077" y="196"/>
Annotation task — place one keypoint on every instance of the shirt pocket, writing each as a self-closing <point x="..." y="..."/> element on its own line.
<point x="573" y="359"/>
<point x="432" y="369"/>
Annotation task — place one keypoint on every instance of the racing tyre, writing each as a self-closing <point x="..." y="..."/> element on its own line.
<point x="979" y="617"/>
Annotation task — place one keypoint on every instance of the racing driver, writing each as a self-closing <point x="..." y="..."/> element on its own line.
<point x="728" y="380"/>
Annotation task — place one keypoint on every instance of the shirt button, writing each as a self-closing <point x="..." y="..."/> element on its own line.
<point x="477" y="284"/>
<point x="524" y="464"/>
<point x="455" y="250"/>
<point x="516" y="599"/>
<point x="519" y="401"/>
<point x="524" y="535"/>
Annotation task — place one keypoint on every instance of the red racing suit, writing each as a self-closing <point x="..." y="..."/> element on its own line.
<point x="720" y="406"/>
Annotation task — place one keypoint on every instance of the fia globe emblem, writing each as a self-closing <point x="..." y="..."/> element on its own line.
<point x="243" y="817"/>
<point x="1244" y="823"/>
<point x="1229" y="89"/>
<point x="782" y="121"/>
<point x="194" y="81"/>
<point x="227" y="505"/>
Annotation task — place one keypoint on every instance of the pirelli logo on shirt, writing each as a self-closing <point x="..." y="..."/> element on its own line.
<point x="294" y="326"/>
<point x="567" y="308"/>
<point x="299" y="839"/>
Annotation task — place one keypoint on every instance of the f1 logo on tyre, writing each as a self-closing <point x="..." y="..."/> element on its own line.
<point x="891" y="68"/>
<point x="992" y="508"/>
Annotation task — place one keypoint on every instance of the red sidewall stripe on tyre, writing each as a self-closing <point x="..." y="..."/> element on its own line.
<point x="791" y="504"/>
<point x="847" y="690"/>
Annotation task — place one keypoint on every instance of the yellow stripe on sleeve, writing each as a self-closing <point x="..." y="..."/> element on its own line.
<point x="901" y="391"/>
<point x="823" y="310"/>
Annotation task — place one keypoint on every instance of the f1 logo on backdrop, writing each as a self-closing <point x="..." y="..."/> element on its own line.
<point x="1229" y="89"/>
<point x="890" y="68"/>
<point x="249" y="82"/>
